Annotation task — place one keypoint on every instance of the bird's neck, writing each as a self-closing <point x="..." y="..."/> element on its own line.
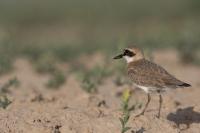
<point x="128" y="59"/>
<point x="135" y="62"/>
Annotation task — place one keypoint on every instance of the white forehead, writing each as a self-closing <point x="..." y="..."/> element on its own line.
<point x="128" y="59"/>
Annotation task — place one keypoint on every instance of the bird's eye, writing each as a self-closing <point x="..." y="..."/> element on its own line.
<point x="129" y="53"/>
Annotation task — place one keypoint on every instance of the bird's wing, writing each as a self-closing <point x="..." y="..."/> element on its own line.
<point x="149" y="74"/>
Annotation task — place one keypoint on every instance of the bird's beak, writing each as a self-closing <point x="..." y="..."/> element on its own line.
<point x="119" y="56"/>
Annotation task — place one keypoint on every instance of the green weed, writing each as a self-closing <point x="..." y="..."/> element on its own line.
<point x="99" y="73"/>
<point x="188" y="52"/>
<point x="5" y="64"/>
<point x="119" y="81"/>
<point x="126" y="111"/>
<point x="90" y="79"/>
<point x="46" y="63"/>
<point x="86" y="82"/>
<point x="4" y="102"/>
<point x="12" y="82"/>
<point x="7" y="54"/>
<point x="89" y="86"/>
<point x="57" y="79"/>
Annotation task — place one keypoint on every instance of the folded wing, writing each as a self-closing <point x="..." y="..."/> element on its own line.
<point x="146" y="73"/>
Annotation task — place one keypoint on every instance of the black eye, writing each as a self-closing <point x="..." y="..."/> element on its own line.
<point x="129" y="53"/>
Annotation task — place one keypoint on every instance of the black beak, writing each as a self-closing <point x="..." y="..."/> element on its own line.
<point x="119" y="56"/>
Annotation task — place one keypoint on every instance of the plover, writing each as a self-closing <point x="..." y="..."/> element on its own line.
<point x="149" y="76"/>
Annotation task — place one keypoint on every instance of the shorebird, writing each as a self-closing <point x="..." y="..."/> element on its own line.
<point x="148" y="76"/>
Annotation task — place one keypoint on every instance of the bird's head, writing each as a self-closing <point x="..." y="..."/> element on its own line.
<point x="130" y="54"/>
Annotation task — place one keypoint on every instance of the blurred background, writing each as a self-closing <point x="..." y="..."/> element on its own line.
<point x="46" y="32"/>
<point x="57" y="73"/>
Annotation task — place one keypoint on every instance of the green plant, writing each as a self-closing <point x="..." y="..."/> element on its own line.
<point x="126" y="111"/>
<point x="46" y="63"/>
<point x="120" y="80"/>
<point x="5" y="64"/>
<point x="186" y="56"/>
<point x="98" y="73"/>
<point x="188" y="45"/>
<point x="12" y="82"/>
<point x="90" y="79"/>
<point x="57" y="79"/>
<point x="88" y="85"/>
<point x="4" y="102"/>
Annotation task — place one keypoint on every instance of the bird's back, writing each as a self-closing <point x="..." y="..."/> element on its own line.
<point x="149" y="74"/>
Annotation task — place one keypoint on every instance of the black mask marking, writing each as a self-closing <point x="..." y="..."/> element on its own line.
<point x="128" y="53"/>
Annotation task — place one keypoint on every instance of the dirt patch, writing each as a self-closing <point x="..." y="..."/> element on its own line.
<point x="37" y="109"/>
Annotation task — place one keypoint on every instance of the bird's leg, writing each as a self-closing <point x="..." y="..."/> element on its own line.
<point x="160" y="105"/>
<point x="149" y="99"/>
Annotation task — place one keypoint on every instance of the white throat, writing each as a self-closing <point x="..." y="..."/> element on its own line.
<point x="128" y="59"/>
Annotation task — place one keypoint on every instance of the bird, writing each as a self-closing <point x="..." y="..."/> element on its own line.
<point x="148" y="76"/>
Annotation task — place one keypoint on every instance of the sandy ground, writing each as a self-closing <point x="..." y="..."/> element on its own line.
<point x="36" y="109"/>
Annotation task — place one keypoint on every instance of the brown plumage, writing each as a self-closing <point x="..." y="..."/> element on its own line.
<point x="145" y="73"/>
<point x="148" y="76"/>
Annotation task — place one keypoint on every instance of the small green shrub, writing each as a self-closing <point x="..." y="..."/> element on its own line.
<point x="90" y="79"/>
<point x="88" y="85"/>
<point x="12" y="82"/>
<point x="46" y="63"/>
<point x="57" y="79"/>
<point x="33" y="52"/>
<point x="126" y="111"/>
<point x="5" y="64"/>
<point x="188" y="45"/>
<point x="98" y="73"/>
<point x="121" y="80"/>
<point x="188" y="52"/>
<point x="4" y="102"/>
